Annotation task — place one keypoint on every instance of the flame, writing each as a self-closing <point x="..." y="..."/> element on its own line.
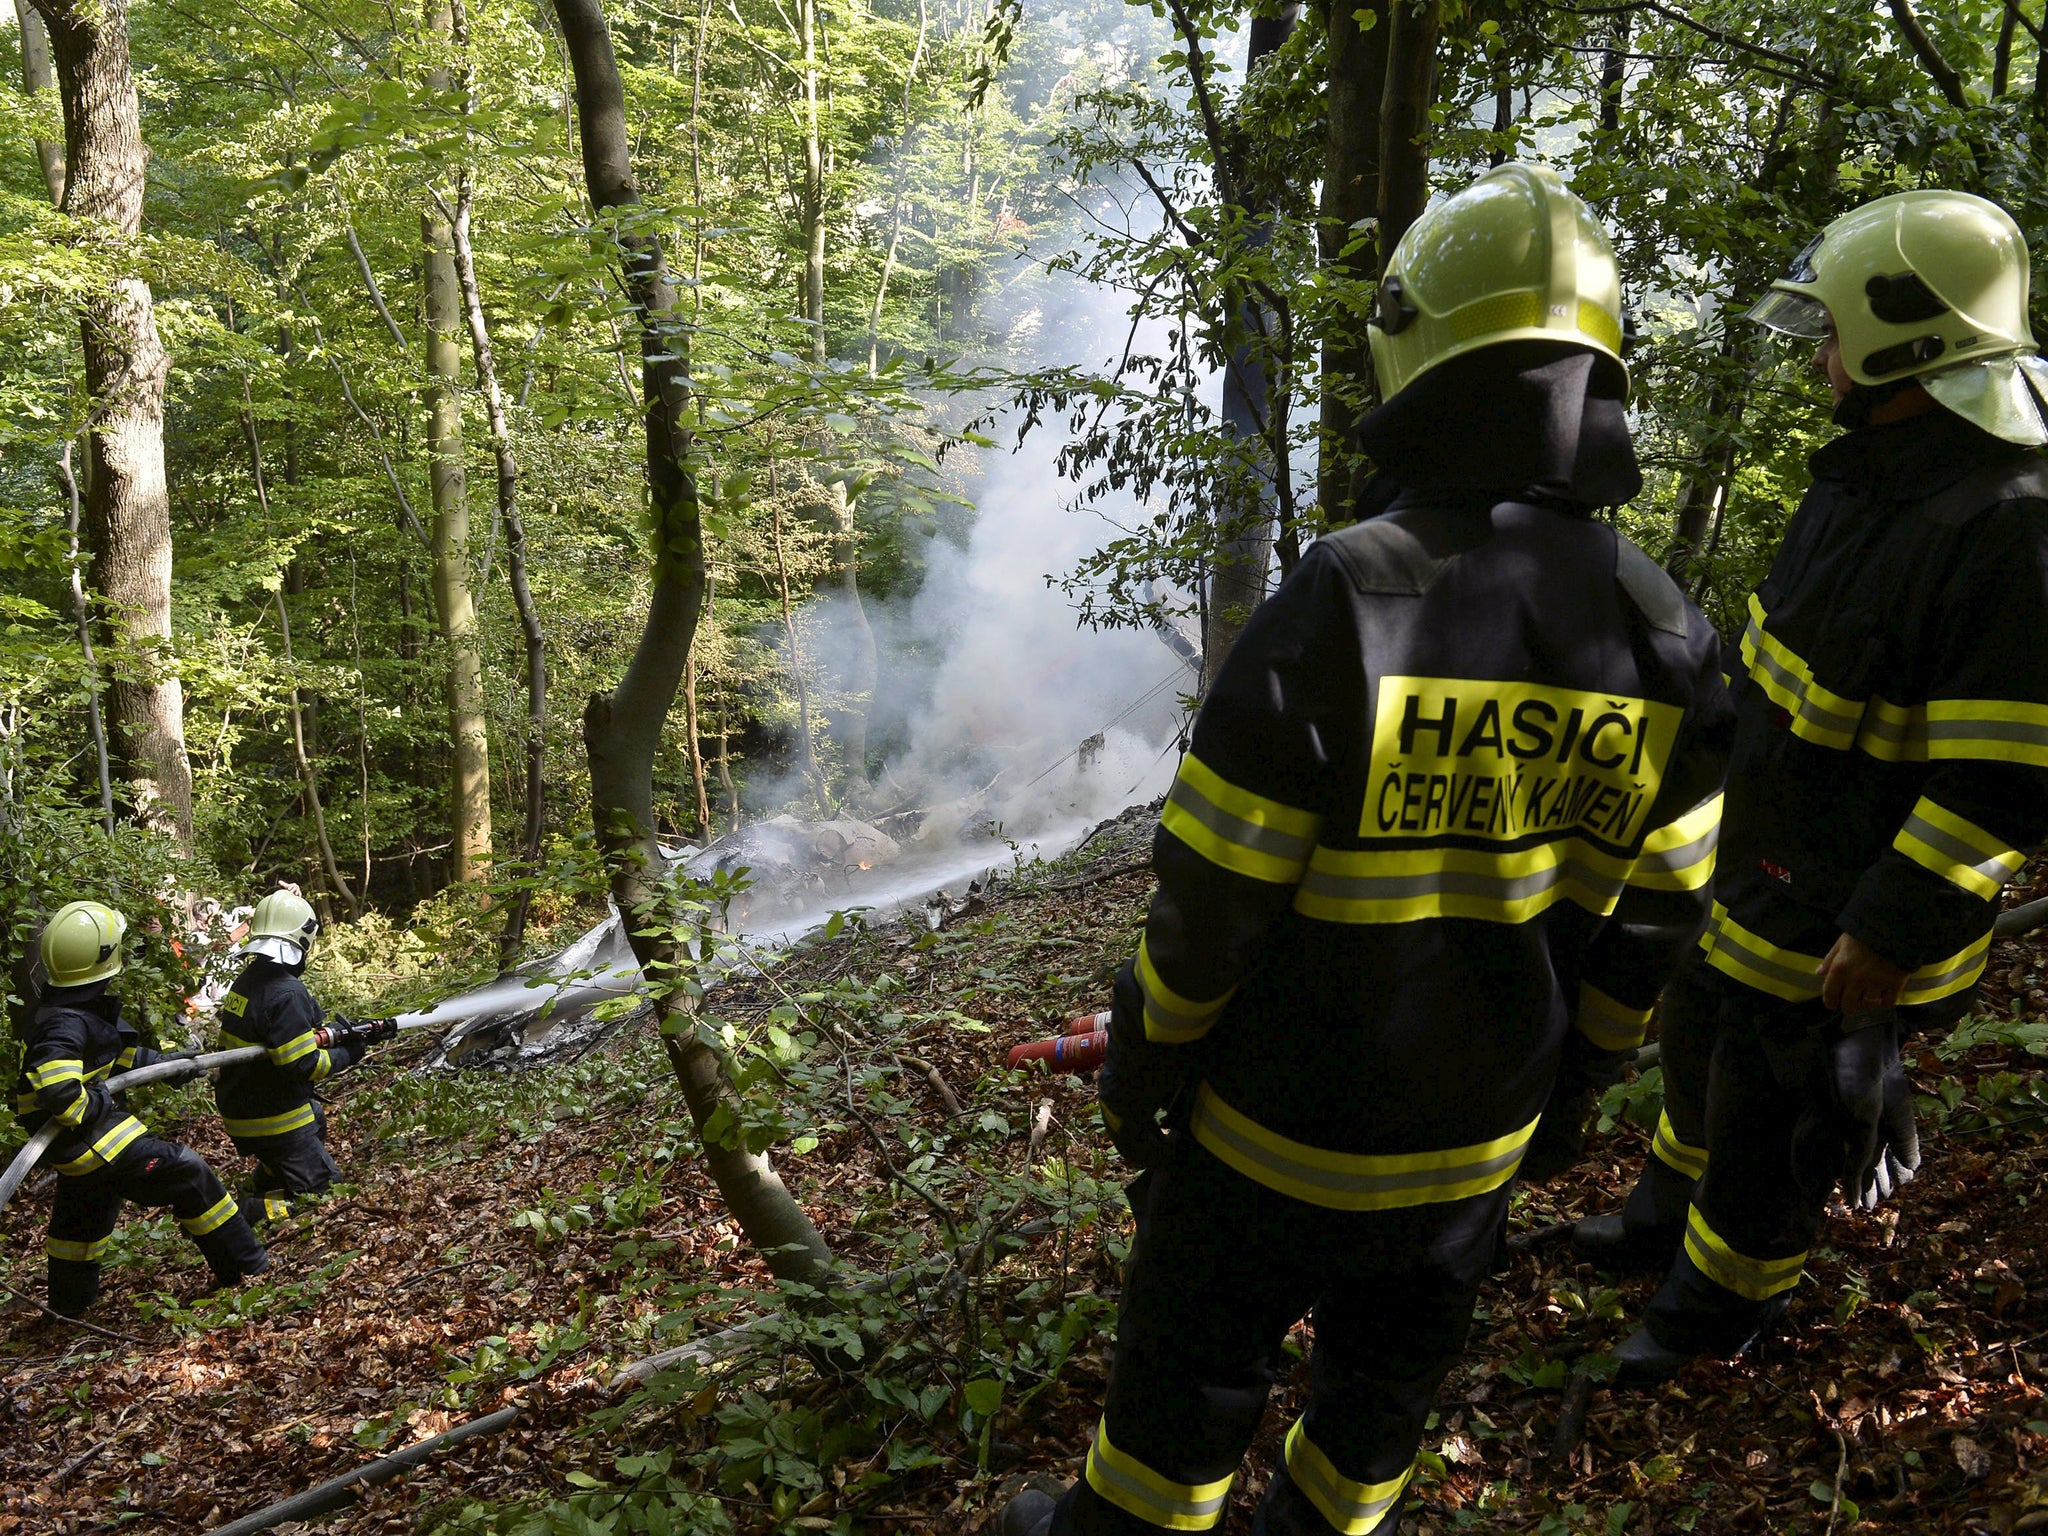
<point x="864" y="864"/>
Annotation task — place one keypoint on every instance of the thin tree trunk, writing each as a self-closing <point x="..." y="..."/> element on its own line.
<point x="1404" y="119"/>
<point x="454" y="602"/>
<point x="902" y="189"/>
<point x="796" y="651"/>
<point x="696" y="749"/>
<point x="95" y="727"/>
<point x="622" y="729"/>
<point x="36" y="75"/>
<point x="309" y="780"/>
<point x="1351" y="195"/>
<point x="514" y="934"/>
<point x="854" y="665"/>
<point x="1237" y="573"/>
<point x="127" y="500"/>
<point x="1614" y="74"/>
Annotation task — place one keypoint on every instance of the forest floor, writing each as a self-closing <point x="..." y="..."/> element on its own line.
<point x="517" y="1237"/>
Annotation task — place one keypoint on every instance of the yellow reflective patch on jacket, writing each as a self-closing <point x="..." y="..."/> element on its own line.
<point x="1957" y="849"/>
<point x="1352" y="1507"/>
<point x="1794" y="975"/>
<point x="235" y="1003"/>
<point x="1169" y="1016"/>
<point x="111" y="1144"/>
<point x="1152" y="1496"/>
<point x="271" y="1125"/>
<point x="1502" y="760"/>
<point x="1679" y="856"/>
<point x="1610" y="1025"/>
<point x="1350" y="1181"/>
<point x="1818" y="714"/>
<point x="1404" y="885"/>
<point x="1242" y="832"/>
<point x="299" y="1045"/>
<point x="1757" y="1279"/>
<point x="65" y="1069"/>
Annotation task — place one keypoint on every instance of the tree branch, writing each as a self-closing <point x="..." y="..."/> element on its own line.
<point x="1943" y="73"/>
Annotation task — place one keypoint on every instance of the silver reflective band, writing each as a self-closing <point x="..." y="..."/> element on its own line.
<point x="1791" y="314"/>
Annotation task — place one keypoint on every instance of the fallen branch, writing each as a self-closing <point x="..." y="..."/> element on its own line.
<point x="338" y="1491"/>
<point x="76" y="1322"/>
<point x="1571" y="1423"/>
<point x="1096" y="877"/>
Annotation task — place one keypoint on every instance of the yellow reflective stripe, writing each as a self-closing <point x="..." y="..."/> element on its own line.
<point x="299" y="1045"/>
<point x="63" y="1070"/>
<point x="1168" y="1015"/>
<point x="112" y="1144"/>
<point x="271" y="1125"/>
<point x="1958" y="850"/>
<point x="76" y="1252"/>
<point x="1894" y="733"/>
<point x="74" y="1112"/>
<point x="1818" y="714"/>
<point x="1236" y="829"/>
<point x="228" y="1042"/>
<point x="2003" y="730"/>
<point x="1354" y="1508"/>
<point x="126" y="1060"/>
<point x="1153" y="1497"/>
<point x="1349" y="1181"/>
<point x="1756" y="962"/>
<point x="1374" y="886"/>
<point x="1680" y="855"/>
<point x="212" y="1218"/>
<point x="1945" y="978"/>
<point x="1608" y="1024"/>
<point x="322" y="1065"/>
<point x="1757" y="1279"/>
<point x="276" y="1208"/>
<point x="26" y="1103"/>
<point x="1675" y="1154"/>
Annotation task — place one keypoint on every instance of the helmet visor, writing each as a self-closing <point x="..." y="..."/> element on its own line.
<point x="1792" y="314"/>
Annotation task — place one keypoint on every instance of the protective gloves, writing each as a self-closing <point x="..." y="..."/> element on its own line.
<point x="1584" y="1073"/>
<point x="1139" y="1077"/>
<point x="1860" y="1126"/>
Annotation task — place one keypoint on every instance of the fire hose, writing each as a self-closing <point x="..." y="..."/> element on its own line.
<point x="172" y="1070"/>
<point x="1080" y="1049"/>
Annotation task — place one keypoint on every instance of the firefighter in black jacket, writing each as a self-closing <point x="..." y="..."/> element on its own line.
<point x="1890" y="769"/>
<point x="103" y="1155"/>
<point x="1448" y="818"/>
<point x="270" y="1107"/>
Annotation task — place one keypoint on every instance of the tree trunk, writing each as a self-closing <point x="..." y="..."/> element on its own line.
<point x="1238" y="568"/>
<point x="853" y="669"/>
<point x="454" y="603"/>
<point x="902" y="191"/>
<point x="36" y="75"/>
<point x="514" y="933"/>
<point x="82" y="612"/>
<point x="1404" y="119"/>
<point x="622" y="729"/>
<point x="127" y="501"/>
<point x="1351" y="195"/>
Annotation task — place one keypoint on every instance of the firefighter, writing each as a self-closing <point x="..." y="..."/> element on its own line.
<point x="103" y="1155"/>
<point x="1447" y="820"/>
<point x="270" y="1107"/>
<point x="1890" y="769"/>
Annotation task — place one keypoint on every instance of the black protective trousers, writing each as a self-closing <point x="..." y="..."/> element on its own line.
<point x="1220" y="1269"/>
<point x="149" y="1172"/>
<point x="1728" y="1190"/>
<point x="296" y="1163"/>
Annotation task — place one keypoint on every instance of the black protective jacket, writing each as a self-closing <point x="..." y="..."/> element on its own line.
<point x="1456" y="787"/>
<point x="269" y="1006"/>
<point x="1891" y="762"/>
<point x="73" y="1044"/>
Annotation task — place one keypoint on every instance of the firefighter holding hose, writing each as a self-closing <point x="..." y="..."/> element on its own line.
<point x="1890" y="769"/>
<point x="1448" y="820"/>
<point x="103" y="1155"/>
<point x="271" y="1107"/>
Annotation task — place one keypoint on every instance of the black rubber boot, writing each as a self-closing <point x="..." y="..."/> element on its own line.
<point x="1644" y="1362"/>
<point x="74" y="1286"/>
<point x="1030" y="1510"/>
<point x="1608" y="1241"/>
<point x="233" y="1252"/>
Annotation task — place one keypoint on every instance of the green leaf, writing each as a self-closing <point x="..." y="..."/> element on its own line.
<point x="984" y="1396"/>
